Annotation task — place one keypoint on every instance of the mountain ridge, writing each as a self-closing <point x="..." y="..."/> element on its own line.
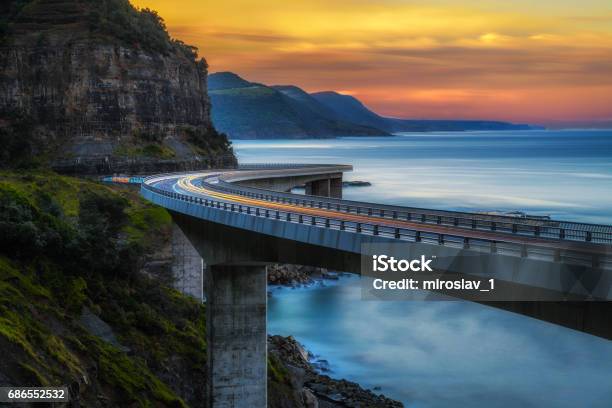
<point x="350" y="108"/>
<point x="251" y="110"/>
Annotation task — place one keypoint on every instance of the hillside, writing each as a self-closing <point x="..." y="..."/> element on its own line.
<point x="96" y="86"/>
<point x="301" y="98"/>
<point x="86" y="301"/>
<point x="249" y="110"/>
<point x="227" y="80"/>
<point x="350" y="108"/>
<point x="246" y="110"/>
<point x="71" y="252"/>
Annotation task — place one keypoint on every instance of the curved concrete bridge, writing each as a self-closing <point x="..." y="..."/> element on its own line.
<point x="239" y="220"/>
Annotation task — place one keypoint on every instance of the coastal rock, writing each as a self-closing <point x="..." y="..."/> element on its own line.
<point x="327" y="391"/>
<point x="293" y="275"/>
<point x="290" y="351"/>
<point x="356" y="183"/>
<point x="330" y="275"/>
<point x="310" y="400"/>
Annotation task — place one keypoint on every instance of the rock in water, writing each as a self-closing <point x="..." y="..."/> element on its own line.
<point x="100" y="87"/>
<point x="356" y="183"/>
<point x="318" y="390"/>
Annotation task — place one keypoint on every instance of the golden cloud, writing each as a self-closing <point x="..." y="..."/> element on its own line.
<point x="506" y="60"/>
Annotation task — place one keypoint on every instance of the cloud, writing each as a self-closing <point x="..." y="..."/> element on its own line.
<point x="520" y="61"/>
<point x="254" y="37"/>
<point x="592" y="19"/>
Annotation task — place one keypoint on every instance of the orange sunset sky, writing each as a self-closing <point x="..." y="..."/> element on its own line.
<point x="547" y="62"/>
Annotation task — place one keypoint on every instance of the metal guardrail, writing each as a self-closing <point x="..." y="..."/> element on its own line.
<point x="594" y="260"/>
<point x="255" y="166"/>
<point x="499" y="224"/>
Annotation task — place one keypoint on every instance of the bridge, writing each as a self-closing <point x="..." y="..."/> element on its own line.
<point x="240" y="220"/>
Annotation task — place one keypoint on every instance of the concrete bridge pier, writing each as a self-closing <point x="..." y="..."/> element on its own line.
<point x="187" y="265"/>
<point x="329" y="187"/>
<point x="236" y="336"/>
<point x="335" y="187"/>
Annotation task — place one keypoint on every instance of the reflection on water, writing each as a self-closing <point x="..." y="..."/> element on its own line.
<point x="459" y="354"/>
<point x="445" y="354"/>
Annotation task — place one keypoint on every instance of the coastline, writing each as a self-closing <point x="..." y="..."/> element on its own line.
<point x="293" y="365"/>
<point x="309" y="375"/>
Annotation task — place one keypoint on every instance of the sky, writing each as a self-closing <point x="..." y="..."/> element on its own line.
<point x="547" y="61"/>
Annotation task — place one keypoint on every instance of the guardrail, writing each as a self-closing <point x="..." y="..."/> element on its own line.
<point x="248" y="166"/>
<point x="499" y="224"/>
<point x="501" y="246"/>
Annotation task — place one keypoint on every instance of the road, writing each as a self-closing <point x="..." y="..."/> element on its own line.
<point x="206" y="186"/>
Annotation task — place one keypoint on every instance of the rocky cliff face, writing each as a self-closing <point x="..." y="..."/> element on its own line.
<point x="100" y="87"/>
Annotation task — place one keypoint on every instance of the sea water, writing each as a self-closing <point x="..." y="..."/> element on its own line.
<point x="564" y="174"/>
<point x="455" y="353"/>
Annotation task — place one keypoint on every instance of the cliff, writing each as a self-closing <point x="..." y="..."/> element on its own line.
<point x="99" y="87"/>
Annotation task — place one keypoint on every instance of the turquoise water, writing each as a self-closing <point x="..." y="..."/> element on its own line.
<point x="455" y="354"/>
<point x="445" y="354"/>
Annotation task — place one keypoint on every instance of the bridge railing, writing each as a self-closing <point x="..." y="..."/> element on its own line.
<point x="500" y="224"/>
<point x="595" y="259"/>
<point x="257" y="166"/>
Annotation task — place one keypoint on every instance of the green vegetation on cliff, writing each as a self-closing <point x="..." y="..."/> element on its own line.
<point x="282" y="391"/>
<point x="68" y="245"/>
<point x="107" y="19"/>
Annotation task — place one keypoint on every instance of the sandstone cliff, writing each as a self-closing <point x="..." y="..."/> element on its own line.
<point x="99" y="87"/>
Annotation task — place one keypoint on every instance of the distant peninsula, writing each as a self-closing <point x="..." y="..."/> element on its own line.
<point x="250" y="110"/>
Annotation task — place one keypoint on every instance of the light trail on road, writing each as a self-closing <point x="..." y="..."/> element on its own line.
<point x="186" y="183"/>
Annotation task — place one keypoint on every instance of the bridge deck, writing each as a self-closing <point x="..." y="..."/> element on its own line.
<point x="230" y="223"/>
<point x="561" y="241"/>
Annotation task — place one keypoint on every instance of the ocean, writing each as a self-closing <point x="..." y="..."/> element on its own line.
<point x="564" y="174"/>
<point x="454" y="353"/>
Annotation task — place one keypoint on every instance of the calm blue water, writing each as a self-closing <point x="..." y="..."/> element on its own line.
<point x="455" y="354"/>
<point x="445" y="354"/>
<point x="565" y="174"/>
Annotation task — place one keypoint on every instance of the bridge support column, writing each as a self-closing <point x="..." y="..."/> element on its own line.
<point x="335" y="187"/>
<point x="318" y="188"/>
<point x="236" y="336"/>
<point x="330" y="187"/>
<point x="187" y="266"/>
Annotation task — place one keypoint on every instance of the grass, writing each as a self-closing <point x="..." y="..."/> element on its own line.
<point x="149" y="150"/>
<point x="129" y="376"/>
<point x="144" y="218"/>
<point x="45" y="187"/>
<point x="106" y="231"/>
